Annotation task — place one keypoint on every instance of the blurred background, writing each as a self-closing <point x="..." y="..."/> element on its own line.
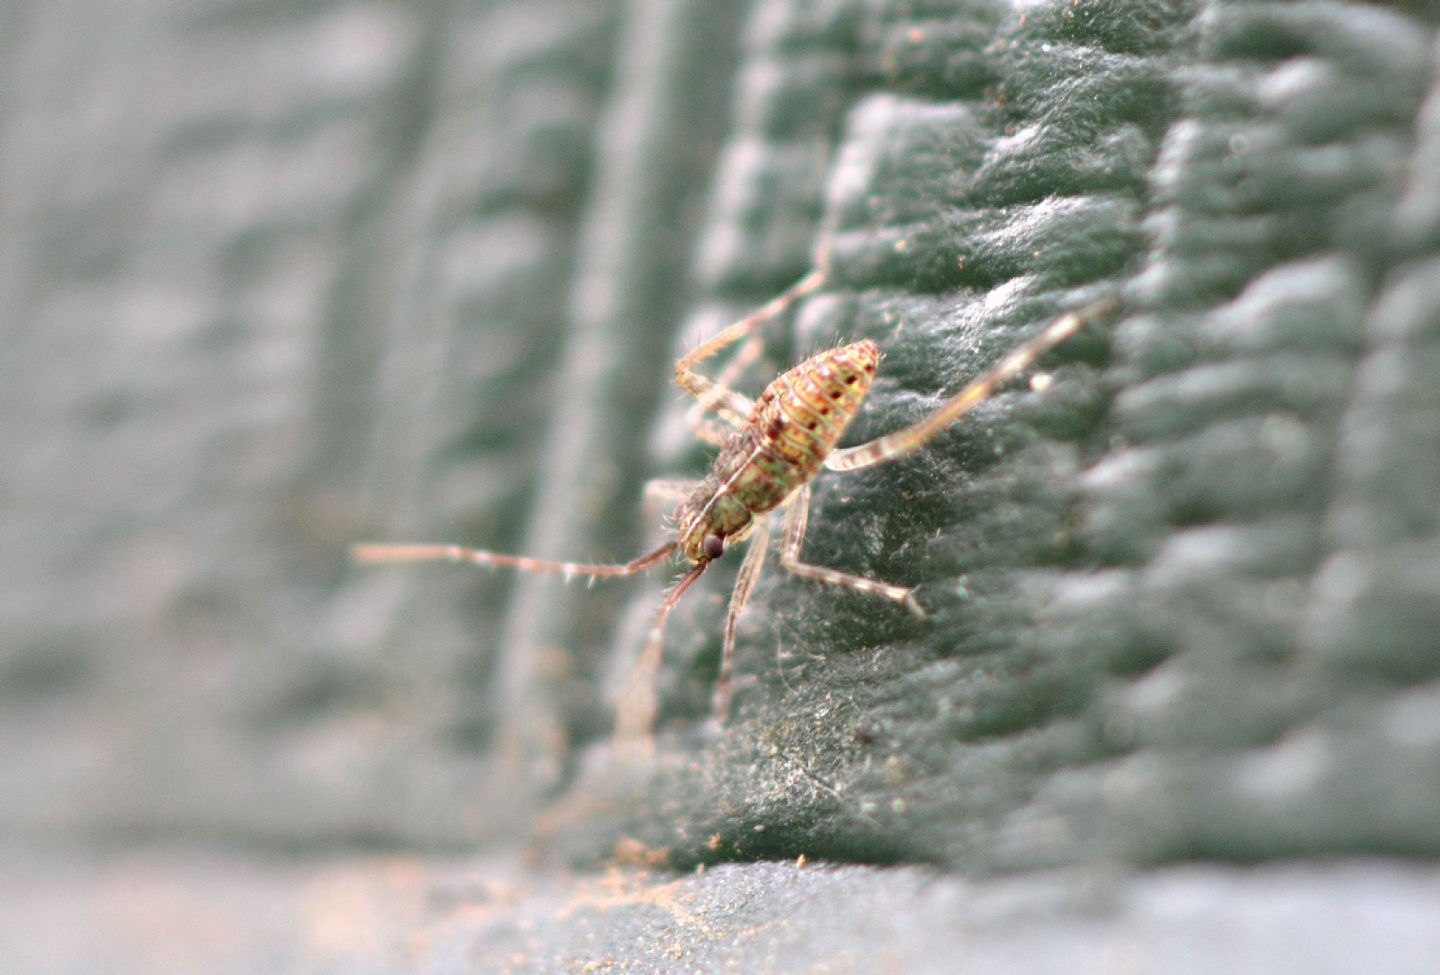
<point x="279" y="278"/>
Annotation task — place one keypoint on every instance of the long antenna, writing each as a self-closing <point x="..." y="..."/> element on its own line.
<point x="392" y="554"/>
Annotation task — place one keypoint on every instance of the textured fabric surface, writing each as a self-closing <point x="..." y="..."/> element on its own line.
<point x="1183" y="599"/>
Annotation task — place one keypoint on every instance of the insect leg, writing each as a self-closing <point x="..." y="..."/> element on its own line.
<point x="901" y="442"/>
<point x="796" y="517"/>
<point x="665" y="492"/>
<point x="635" y="712"/>
<point x="382" y="554"/>
<point x="744" y="585"/>
<point x="795" y="520"/>
<point x="669" y="489"/>
<point x="715" y="395"/>
<point x="713" y="432"/>
<point x="718" y="433"/>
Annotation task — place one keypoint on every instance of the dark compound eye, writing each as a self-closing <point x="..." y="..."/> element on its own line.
<point x="714" y="547"/>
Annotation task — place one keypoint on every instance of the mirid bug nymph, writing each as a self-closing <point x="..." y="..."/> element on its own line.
<point x="770" y="449"/>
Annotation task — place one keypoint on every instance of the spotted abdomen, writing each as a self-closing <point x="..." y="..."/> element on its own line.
<point x="794" y="425"/>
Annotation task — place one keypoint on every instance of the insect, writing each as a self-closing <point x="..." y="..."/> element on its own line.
<point x="770" y="449"/>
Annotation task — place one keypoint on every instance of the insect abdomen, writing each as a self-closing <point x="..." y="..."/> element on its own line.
<point x="794" y="425"/>
<point x="804" y="412"/>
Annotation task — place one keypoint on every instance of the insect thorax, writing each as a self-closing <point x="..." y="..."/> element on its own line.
<point x="793" y="426"/>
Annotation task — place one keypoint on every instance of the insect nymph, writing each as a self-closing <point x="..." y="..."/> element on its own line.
<point x="770" y="449"/>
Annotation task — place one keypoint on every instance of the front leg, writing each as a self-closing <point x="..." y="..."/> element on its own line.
<point x="739" y="596"/>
